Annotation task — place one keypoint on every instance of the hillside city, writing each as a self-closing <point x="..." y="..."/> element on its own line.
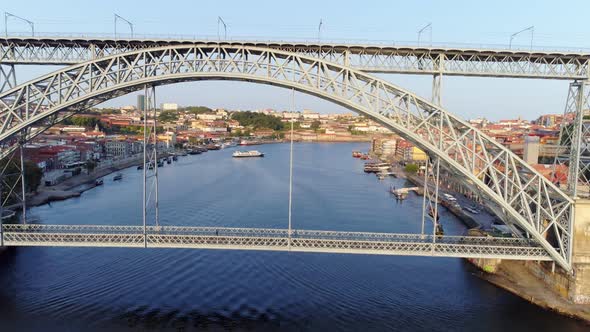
<point x="104" y="136"/>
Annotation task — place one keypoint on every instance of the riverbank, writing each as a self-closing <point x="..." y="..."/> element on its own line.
<point x="516" y="277"/>
<point x="76" y="185"/>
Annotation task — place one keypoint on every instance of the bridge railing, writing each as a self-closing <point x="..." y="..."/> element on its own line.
<point x="265" y="233"/>
<point x="323" y="41"/>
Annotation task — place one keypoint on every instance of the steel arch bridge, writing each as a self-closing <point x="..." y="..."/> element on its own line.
<point x="522" y="196"/>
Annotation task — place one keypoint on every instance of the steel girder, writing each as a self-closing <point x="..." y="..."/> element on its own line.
<point x="526" y="198"/>
<point x="271" y="239"/>
<point x="370" y="58"/>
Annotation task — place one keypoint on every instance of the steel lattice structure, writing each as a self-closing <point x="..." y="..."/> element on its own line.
<point x="371" y="58"/>
<point x="271" y="239"/>
<point x="523" y="196"/>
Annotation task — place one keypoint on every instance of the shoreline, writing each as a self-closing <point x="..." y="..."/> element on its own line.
<point x="515" y="276"/>
<point x="75" y="186"/>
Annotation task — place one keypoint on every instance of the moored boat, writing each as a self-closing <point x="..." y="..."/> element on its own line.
<point x="356" y="154"/>
<point x="118" y="177"/>
<point x="99" y="182"/>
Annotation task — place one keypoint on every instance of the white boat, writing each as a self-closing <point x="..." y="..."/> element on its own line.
<point x="246" y="154"/>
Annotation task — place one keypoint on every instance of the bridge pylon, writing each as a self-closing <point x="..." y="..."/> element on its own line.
<point x="573" y="153"/>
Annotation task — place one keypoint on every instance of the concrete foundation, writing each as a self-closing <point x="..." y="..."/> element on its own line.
<point x="573" y="287"/>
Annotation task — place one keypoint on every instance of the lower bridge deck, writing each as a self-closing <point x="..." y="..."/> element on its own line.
<point x="271" y="239"/>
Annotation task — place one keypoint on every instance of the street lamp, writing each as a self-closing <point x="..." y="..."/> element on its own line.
<point x="426" y="27"/>
<point x="117" y="17"/>
<point x="7" y="15"/>
<point x="220" y="20"/>
<point x="320" y="31"/>
<point x="531" y="29"/>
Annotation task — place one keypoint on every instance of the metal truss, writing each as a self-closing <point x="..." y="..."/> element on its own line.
<point x="7" y="77"/>
<point x="272" y="239"/>
<point x="370" y="58"/>
<point x="526" y="198"/>
<point x="574" y="141"/>
<point x="13" y="182"/>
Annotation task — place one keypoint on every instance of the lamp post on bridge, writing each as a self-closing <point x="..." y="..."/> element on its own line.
<point x="531" y="29"/>
<point x="117" y="17"/>
<point x="220" y="20"/>
<point x="7" y="15"/>
<point x="426" y="27"/>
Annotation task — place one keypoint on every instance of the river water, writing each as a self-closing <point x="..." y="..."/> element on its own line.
<point x="117" y="289"/>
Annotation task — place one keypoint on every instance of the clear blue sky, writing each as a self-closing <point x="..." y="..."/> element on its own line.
<point x="556" y="24"/>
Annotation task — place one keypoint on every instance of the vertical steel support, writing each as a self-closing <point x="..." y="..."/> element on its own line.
<point x="426" y="165"/>
<point x="145" y="167"/>
<point x="23" y="184"/>
<point x="573" y="152"/>
<point x="150" y="160"/>
<point x="7" y="77"/>
<point x="1" y="216"/>
<point x="439" y="62"/>
<point x="291" y="169"/>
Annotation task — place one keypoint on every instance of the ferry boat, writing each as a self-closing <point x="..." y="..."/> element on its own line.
<point x="118" y="177"/>
<point x="246" y="154"/>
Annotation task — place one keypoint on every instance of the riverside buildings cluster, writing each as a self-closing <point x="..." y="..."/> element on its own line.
<point x="117" y="134"/>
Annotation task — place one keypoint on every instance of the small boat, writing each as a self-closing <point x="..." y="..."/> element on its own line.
<point x="169" y="161"/>
<point x="140" y="167"/>
<point x="160" y="163"/>
<point x="356" y="154"/>
<point x="381" y="176"/>
<point x="118" y="177"/>
<point x="246" y="154"/>
<point x="99" y="182"/>
<point x="213" y="146"/>
<point x="376" y="167"/>
<point x="194" y="151"/>
<point x="175" y="158"/>
<point x="365" y="157"/>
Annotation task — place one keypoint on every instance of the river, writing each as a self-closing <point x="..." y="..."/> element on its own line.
<point x="118" y="289"/>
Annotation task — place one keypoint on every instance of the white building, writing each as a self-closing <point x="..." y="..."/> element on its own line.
<point x="169" y="107"/>
<point x="209" y="116"/>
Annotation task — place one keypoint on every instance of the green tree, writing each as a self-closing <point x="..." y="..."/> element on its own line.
<point x="315" y="125"/>
<point x="411" y="168"/>
<point x="258" y="120"/>
<point x="196" y="109"/>
<point x="90" y="166"/>
<point x="168" y="116"/>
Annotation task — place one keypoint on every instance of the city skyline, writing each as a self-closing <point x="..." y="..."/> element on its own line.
<point x="466" y="96"/>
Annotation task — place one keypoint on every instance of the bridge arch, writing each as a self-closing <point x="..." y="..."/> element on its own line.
<point x="521" y="194"/>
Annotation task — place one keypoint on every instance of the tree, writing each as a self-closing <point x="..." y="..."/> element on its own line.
<point x="90" y="166"/>
<point x="33" y="175"/>
<point x="315" y="125"/>
<point x="196" y="109"/>
<point x="167" y="116"/>
<point x="258" y="120"/>
<point x="411" y="168"/>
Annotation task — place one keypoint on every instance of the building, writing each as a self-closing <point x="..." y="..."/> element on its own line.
<point x="141" y="103"/>
<point x="531" y="150"/>
<point x="209" y="116"/>
<point x="310" y="115"/>
<point x="169" y="107"/>
<point x="119" y="149"/>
